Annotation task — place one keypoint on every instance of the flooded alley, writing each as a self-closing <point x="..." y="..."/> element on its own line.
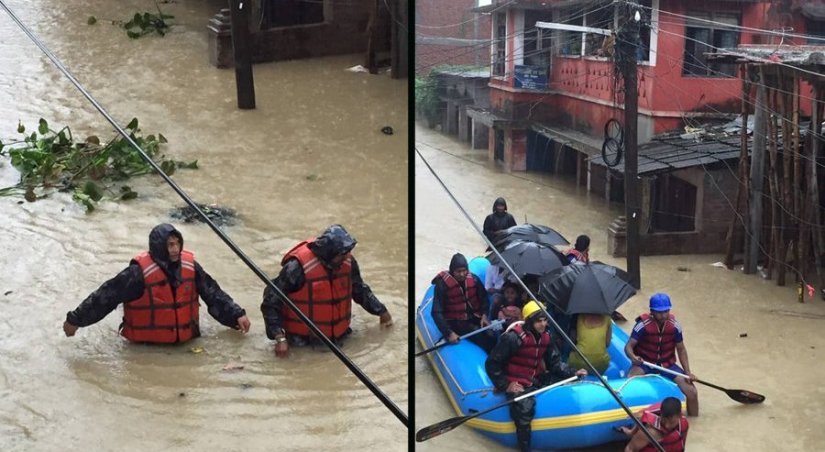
<point x="779" y="356"/>
<point x="311" y="154"/>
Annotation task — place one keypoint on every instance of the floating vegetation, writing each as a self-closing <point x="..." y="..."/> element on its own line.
<point x="148" y="23"/>
<point x="221" y="216"/>
<point x="50" y="161"/>
<point x="143" y="24"/>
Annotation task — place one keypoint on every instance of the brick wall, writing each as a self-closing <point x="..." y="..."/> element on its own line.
<point x="455" y="38"/>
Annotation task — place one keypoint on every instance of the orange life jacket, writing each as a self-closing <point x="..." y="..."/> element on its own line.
<point x="657" y="345"/>
<point x="455" y="306"/>
<point x="528" y="361"/>
<point x="325" y="297"/>
<point x="162" y="315"/>
<point x="672" y="440"/>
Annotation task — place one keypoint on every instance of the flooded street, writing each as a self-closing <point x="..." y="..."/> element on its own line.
<point x="310" y="155"/>
<point x="780" y="357"/>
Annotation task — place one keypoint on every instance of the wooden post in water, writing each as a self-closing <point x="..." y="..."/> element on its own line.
<point x="797" y="177"/>
<point x="776" y="249"/>
<point x="757" y="175"/>
<point x="395" y="47"/>
<point x="816" y="136"/>
<point x="785" y="102"/>
<point x="243" y="53"/>
<point x="742" y="174"/>
<point x="372" y="40"/>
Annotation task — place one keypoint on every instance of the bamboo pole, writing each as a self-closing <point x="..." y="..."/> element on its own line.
<point x="757" y="175"/>
<point x="785" y="101"/>
<point x="775" y="249"/>
<point x="742" y="171"/>
<point x="797" y="178"/>
<point x="804" y="219"/>
<point x="816" y="230"/>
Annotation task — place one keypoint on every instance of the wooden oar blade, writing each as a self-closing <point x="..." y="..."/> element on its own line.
<point x="746" y="397"/>
<point x="437" y="429"/>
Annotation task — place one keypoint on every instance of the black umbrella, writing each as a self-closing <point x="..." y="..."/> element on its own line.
<point x="623" y="275"/>
<point x="585" y="289"/>
<point x="529" y="233"/>
<point x="530" y="258"/>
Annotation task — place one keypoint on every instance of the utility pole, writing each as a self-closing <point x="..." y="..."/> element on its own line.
<point x="627" y="42"/>
<point x="243" y="53"/>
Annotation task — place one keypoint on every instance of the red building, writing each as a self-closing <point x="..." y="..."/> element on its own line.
<point x="554" y="87"/>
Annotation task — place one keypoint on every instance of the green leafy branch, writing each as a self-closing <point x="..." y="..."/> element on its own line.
<point x="50" y="160"/>
<point x="143" y="24"/>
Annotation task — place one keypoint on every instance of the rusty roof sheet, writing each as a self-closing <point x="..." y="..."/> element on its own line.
<point x="807" y="55"/>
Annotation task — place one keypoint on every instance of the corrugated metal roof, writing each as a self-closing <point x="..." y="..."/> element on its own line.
<point x="672" y="153"/>
<point x="469" y="72"/>
<point x="675" y="151"/>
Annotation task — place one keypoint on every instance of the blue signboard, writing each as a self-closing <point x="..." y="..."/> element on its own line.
<point x="531" y="77"/>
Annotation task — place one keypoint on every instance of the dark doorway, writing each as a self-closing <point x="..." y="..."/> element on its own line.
<point x="540" y="153"/>
<point x="616" y="181"/>
<point x="285" y="13"/>
<point x="499" y="152"/>
<point x="674" y="205"/>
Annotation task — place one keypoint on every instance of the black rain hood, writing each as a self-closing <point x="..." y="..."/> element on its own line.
<point x="159" y="251"/>
<point x="458" y="261"/>
<point x="500" y="202"/>
<point x="335" y="240"/>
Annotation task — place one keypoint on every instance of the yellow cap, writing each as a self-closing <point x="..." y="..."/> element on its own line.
<point x="529" y="309"/>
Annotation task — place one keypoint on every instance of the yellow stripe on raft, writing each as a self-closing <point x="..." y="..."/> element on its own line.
<point x="559" y="422"/>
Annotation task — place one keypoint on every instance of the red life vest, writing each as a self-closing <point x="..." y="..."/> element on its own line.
<point x="162" y="315"/>
<point x="525" y="365"/>
<point x="325" y="297"/>
<point x="657" y="345"/>
<point x="580" y="257"/>
<point x="672" y="440"/>
<point x="455" y="306"/>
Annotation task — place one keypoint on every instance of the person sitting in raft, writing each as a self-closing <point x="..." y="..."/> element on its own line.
<point x="657" y="338"/>
<point x="592" y="336"/>
<point x="580" y="253"/>
<point x="508" y="306"/>
<point x="532" y="283"/>
<point x="460" y="304"/>
<point x="524" y="360"/>
<point x="494" y="283"/>
<point x="666" y="424"/>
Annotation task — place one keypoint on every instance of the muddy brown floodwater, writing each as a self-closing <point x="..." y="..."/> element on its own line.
<point x="310" y="155"/>
<point x="781" y="357"/>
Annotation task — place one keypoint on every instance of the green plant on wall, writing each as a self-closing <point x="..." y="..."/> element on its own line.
<point x="426" y="99"/>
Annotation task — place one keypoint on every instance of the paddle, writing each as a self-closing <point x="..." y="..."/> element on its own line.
<point x="445" y="426"/>
<point x="496" y="324"/>
<point x="740" y="395"/>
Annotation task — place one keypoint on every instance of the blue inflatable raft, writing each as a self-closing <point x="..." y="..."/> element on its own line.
<point x="580" y="414"/>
